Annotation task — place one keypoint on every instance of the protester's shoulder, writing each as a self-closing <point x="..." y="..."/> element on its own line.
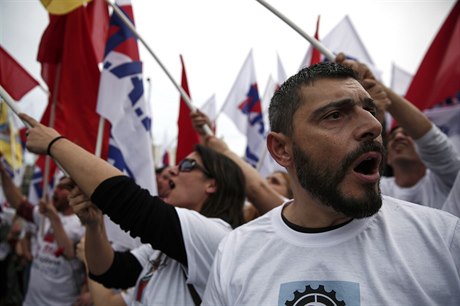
<point x="413" y="211"/>
<point x="192" y="218"/>
<point x="261" y="225"/>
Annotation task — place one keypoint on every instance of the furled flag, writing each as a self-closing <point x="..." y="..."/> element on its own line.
<point x="438" y="76"/>
<point x="209" y="108"/>
<point x="271" y="87"/>
<point x="187" y="138"/>
<point x="344" y="38"/>
<point x="13" y="77"/>
<point x="244" y="108"/>
<point x="121" y="101"/>
<point x="70" y="68"/>
<point x="164" y="159"/>
<point x="400" y="80"/>
<point x="316" y="55"/>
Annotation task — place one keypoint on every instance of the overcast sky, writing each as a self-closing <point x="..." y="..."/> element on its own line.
<point x="215" y="36"/>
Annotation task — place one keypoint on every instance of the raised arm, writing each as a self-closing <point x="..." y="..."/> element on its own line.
<point x="62" y="239"/>
<point x="12" y="192"/>
<point x="87" y="170"/>
<point x="410" y="118"/>
<point x="258" y="191"/>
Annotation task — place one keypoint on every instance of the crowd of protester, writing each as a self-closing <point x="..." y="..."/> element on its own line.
<point x="218" y="233"/>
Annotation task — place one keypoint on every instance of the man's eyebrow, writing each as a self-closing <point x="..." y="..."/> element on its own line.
<point x="369" y="103"/>
<point x="340" y="104"/>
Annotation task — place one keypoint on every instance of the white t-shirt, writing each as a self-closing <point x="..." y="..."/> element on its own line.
<point x="452" y="203"/>
<point x="54" y="280"/>
<point x="167" y="284"/>
<point x="442" y="162"/>
<point x="406" y="254"/>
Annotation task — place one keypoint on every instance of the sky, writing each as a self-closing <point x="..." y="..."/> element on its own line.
<point x="215" y="36"/>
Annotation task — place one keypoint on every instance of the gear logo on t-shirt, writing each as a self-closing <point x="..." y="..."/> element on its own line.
<point x="319" y="293"/>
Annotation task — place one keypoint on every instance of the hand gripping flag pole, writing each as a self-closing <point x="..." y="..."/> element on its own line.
<point x="316" y="44"/>
<point x="184" y="95"/>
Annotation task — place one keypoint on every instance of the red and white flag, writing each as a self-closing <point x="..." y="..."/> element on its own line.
<point x="187" y="138"/>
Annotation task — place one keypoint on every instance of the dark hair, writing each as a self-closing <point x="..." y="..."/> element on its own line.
<point x="227" y="202"/>
<point x="288" y="98"/>
<point x="161" y="169"/>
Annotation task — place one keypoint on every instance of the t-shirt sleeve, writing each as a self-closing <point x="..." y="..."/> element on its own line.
<point x="439" y="155"/>
<point x="201" y="238"/>
<point x="143" y="215"/>
<point x="455" y="246"/>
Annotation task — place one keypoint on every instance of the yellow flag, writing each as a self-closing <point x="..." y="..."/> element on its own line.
<point x="10" y="144"/>
<point x="61" y="7"/>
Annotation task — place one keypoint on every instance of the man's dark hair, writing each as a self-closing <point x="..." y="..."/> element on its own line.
<point x="288" y="98"/>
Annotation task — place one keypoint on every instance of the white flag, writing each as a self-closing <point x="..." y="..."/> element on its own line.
<point x="344" y="38"/>
<point x="244" y="108"/>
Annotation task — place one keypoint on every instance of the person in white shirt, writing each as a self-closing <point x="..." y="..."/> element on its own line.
<point x="422" y="158"/>
<point x="338" y="241"/>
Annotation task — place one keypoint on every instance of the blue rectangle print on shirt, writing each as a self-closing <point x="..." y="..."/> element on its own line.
<point x="327" y="293"/>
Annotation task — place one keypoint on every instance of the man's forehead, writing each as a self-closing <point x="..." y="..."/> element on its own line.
<point x="325" y="91"/>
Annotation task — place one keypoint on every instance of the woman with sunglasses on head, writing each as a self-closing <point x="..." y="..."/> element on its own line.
<point x="182" y="238"/>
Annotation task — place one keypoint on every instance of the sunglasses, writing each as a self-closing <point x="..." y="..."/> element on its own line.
<point x="188" y="164"/>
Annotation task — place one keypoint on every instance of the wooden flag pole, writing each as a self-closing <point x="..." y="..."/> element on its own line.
<point x="184" y="95"/>
<point x="316" y="43"/>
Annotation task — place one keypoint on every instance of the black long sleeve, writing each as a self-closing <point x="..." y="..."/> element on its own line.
<point x="122" y="274"/>
<point x="144" y="215"/>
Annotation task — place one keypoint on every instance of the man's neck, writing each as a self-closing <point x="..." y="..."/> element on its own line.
<point x="309" y="213"/>
<point x="408" y="174"/>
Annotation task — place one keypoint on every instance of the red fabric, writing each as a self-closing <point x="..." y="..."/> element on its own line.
<point x="438" y="76"/>
<point x="98" y="20"/>
<point x="316" y="55"/>
<point x="70" y="68"/>
<point x="187" y="138"/>
<point x="13" y="78"/>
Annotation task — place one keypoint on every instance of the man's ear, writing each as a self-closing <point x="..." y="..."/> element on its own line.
<point x="279" y="147"/>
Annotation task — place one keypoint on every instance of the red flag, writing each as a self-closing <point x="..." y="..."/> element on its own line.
<point x="14" y="79"/>
<point x="316" y="55"/>
<point x="70" y="68"/>
<point x="438" y="76"/>
<point x="187" y="138"/>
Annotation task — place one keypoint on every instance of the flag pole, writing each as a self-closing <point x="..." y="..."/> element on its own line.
<point x="10" y="102"/>
<point x="316" y="44"/>
<point x="184" y="95"/>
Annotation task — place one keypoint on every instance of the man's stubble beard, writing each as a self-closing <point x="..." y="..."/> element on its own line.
<point x="324" y="183"/>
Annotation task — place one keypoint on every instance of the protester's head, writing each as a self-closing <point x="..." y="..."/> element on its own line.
<point x="60" y="194"/>
<point x="210" y="183"/>
<point x="279" y="181"/>
<point x="162" y="177"/>
<point x="401" y="148"/>
<point x="325" y="133"/>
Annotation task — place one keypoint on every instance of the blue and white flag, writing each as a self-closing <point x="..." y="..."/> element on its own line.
<point x="243" y="106"/>
<point x="121" y="102"/>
